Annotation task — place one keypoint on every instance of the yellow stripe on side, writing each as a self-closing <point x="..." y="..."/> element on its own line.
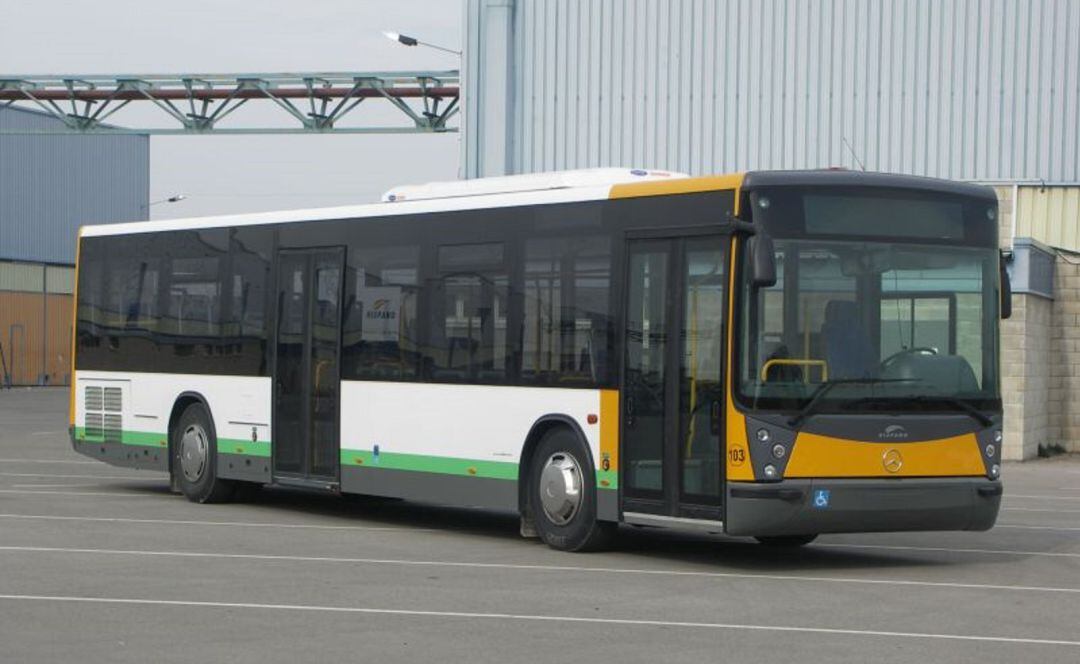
<point x="822" y="456"/>
<point x="609" y="438"/>
<point x="74" y="323"/>
<point x="676" y="186"/>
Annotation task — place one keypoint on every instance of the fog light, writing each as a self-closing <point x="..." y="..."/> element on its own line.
<point x="770" y="472"/>
<point x="779" y="451"/>
<point x="997" y="437"/>
<point x="995" y="470"/>
<point x="763" y="435"/>
<point x="990" y="449"/>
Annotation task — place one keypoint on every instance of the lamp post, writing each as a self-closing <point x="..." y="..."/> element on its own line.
<point x="413" y="41"/>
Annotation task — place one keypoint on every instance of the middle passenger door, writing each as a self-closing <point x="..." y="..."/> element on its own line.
<point x="675" y="318"/>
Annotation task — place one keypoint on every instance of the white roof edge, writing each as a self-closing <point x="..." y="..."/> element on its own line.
<point x="564" y="195"/>
<point x="587" y="177"/>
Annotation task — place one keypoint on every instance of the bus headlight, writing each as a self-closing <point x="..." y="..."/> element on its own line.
<point x="779" y="451"/>
<point x="771" y="473"/>
<point x="995" y="471"/>
<point x="990" y="449"/>
<point x="763" y="435"/>
<point x="997" y="436"/>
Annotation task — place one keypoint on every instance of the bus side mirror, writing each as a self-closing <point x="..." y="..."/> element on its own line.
<point x="1006" y="288"/>
<point x="762" y="260"/>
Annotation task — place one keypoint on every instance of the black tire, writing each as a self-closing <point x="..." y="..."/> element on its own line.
<point x="787" y="541"/>
<point x="198" y="481"/>
<point x="580" y="531"/>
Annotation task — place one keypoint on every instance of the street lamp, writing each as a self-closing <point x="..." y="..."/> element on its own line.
<point x="413" y="41"/>
<point x="176" y="198"/>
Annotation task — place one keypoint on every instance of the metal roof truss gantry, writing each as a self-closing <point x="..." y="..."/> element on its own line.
<point x="197" y="103"/>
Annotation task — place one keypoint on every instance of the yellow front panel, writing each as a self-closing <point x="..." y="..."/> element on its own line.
<point x="822" y="456"/>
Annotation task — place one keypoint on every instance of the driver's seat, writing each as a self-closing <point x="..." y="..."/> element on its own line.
<point x="847" y="347"/>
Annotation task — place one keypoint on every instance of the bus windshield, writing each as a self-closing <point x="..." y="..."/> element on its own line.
<point x="864" y="324"/>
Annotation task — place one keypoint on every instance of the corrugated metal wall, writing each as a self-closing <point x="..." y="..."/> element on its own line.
<point x="51" y="185"/>
<point x="964" y="89"/>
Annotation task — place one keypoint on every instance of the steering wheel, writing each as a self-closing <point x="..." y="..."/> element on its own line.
<point x="917" y="350"/>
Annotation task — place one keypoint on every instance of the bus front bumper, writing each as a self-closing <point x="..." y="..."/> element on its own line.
<point x="813" y="506"/>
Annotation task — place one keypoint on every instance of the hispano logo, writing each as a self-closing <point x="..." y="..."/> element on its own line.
<point x="893" y="432"/>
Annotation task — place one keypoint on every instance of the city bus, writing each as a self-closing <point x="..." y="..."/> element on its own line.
<point x="773" y="354"/>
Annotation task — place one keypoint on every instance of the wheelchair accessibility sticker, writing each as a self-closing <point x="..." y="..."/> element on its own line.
<point x="821" y="499"/>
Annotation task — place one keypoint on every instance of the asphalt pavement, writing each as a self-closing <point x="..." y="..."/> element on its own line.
<point x="103" y="564"/>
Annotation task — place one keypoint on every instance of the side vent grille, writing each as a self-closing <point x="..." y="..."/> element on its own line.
<point x="94" y="402"/>
<point x="113" y="400"/>
<point x="95" y="427"/>
<point x="113" y="428"/>
<point x="104" y="421"/>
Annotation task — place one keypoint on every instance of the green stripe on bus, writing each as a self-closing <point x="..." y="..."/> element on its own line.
<point x="500" y="470"/>
<point x="157" y="439"/>
<point x="140" y="438"/>
<point x="607" y="480"/>
<point x="246" y="447"/>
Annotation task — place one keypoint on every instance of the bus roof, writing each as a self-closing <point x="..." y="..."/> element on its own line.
<point x="587" y="177"/>
<point x="544" y="188"/>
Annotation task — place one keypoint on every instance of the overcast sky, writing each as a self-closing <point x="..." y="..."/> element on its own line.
<point x="223" y="174"/>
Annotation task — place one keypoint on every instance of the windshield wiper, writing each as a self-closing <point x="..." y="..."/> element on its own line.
<point x="826" y="387"/>
<point x="976" y="414"/>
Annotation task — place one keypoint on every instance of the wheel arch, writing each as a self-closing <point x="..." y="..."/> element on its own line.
<point x="539" y="429"/>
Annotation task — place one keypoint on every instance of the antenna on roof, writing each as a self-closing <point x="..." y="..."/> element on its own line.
<point x="853" y="155"/>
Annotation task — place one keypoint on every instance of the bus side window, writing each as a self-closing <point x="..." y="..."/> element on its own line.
<point x="379" y="335"/>
<point x="566" y="323"/>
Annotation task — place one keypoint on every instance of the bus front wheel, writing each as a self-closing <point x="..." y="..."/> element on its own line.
<point x="194" y="458"/>
<point x="562" y="495"/>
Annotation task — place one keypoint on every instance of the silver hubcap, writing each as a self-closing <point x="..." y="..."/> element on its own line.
<point x="193" y="452"/>
<point x="560" y="488"/>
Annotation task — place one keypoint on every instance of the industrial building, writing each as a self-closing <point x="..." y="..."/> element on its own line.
<point x="50" y="185"/>
<point x="985" y="91"/>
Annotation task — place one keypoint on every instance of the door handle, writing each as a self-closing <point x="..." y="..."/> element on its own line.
<point x="714" y="417"/>
<point x="629" y="405"/>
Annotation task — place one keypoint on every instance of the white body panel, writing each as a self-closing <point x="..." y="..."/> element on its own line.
<point x="481" y="422"/>
<point x="237" y="403"/>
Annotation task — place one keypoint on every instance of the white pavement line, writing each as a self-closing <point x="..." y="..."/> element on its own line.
<point x="1035" y="527"/>
<point x="234" y="524"/>
<point x="408" y="529"/>
<point x="1014" y="495"/>
<point x="536" y="568"/>
<point x="76" y="461"/>
<point x="132" y="495"/>
<point x="537" y="618"/>
<point x="47" y="433"/>
<point x="1038" y="509"/>
<point x="942" y="549"/>
<point x="163" y="477"/>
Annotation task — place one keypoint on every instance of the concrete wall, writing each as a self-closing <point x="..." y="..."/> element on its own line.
<point x="1025" y="376"/>
<point x="1063" y="396"/>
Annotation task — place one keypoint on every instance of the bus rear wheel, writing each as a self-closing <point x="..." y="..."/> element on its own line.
<point x="562" y="495"/>
<point x="787" y="541"/>
<point x="194" y="458"/>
